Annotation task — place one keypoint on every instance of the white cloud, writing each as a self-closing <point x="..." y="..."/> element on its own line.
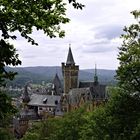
<point x="93" y="33"/>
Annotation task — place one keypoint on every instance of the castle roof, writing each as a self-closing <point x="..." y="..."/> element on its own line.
<point x="76" y="94"/>
<point x="70" y="60"/>
<point x="44" y="100"/>
<point x="97" y="90"/>
<point x="56" y="81"/>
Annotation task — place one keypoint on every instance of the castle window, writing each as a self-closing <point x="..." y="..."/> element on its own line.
<point x="56" y="102"/>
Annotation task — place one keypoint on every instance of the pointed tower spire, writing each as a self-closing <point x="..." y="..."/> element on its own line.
<point x="70" y="73"/>
<point x="95" y="76"/>
<point x="56" y="80"/>
<point x="26" y="97"/>
<point x="70" y="60"/>
<point x="57" y="85"/>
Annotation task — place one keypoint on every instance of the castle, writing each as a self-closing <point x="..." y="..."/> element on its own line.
<point x="57" y="99"/>
<point x="77" y="93"/>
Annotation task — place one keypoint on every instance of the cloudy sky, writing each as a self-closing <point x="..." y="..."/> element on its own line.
<point x="93" y="33"/>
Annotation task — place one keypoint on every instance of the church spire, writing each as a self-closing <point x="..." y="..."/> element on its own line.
<point x="26" y="97"/>
<point x="56" y="81"/>
<point x="57" y="85"/>
<point x="95" y="76"/>
<point x="70" y="60"/>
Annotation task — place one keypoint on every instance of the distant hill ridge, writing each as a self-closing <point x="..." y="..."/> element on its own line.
<point x="47" y="73"/>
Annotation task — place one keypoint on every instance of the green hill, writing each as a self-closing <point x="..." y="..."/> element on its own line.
<point x="39" y="74"/>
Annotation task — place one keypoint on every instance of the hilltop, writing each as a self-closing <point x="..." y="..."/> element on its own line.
<point x="47" y="73"/>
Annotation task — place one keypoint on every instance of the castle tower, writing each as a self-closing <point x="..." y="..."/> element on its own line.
<point x="70" y="73"/>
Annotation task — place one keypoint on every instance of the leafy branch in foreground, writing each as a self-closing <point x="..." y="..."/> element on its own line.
<point x="128" y="72"/>
<point x="23" y="16"/>
<point x="8" y="56"/>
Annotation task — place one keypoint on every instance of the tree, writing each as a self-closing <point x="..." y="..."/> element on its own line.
<point x="64" y="128"/>
<point x="22" y="16"/>
<point x="6" y="109"/>
<point x="71" y="125"/>
<point x="8" y="56"/>
<point x="128" y="72"/>
<point x="6" y="112"/>
<point x="5" y="135"/>
<point x="117" y="120"/>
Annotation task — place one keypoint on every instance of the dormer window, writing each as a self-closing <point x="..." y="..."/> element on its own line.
<point x="45" y="100"/>
<point x="56" y="102"/>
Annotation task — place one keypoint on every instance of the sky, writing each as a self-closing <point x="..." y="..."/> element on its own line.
<point x="94" y="35"/>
